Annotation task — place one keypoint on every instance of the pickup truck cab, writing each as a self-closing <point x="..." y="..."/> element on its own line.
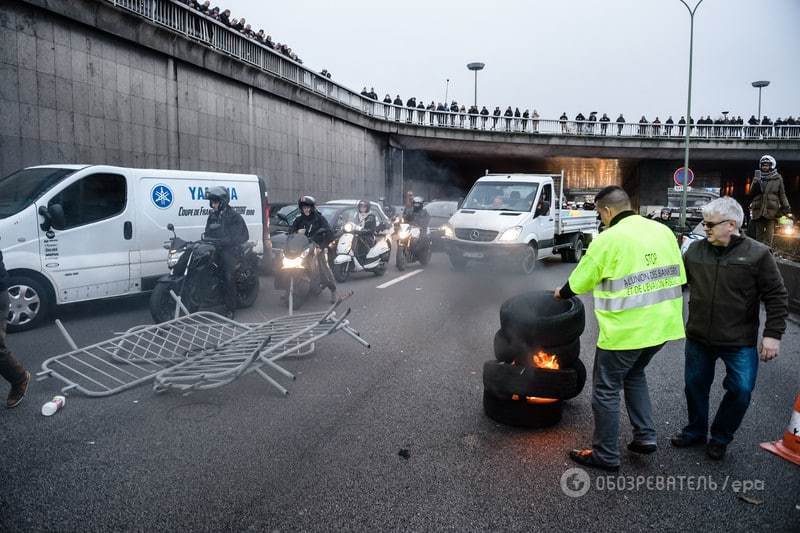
<point x="515" y="219"/>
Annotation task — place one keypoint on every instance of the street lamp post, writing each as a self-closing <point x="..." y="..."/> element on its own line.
<point x="446" y="88"/>
<point x="688" y="114"/>
<point x="475" y="67"/>
<point x="759" y="85"/>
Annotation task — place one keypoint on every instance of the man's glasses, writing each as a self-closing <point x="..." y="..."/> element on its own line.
<point x="711" y="225"/>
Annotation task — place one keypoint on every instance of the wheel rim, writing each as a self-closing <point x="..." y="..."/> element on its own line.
<point x="24" y="304"/>
<point x="578" y="250"/>
<point x="529" y="262"/>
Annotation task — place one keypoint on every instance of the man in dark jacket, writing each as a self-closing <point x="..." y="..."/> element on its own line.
<point x="10" y="368"/>
<point x="399" y="103"/>
<point x="484" y="117"/>
<point x="411" y="104"/>
<point x="769" y="200"/>
<point x="495" y="116"/>
<point x="728" y="275"/>
<point x="229" y="229"/>
<point x="315" y="226"/>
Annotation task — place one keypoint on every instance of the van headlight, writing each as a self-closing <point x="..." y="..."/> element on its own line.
<point x="448" y="231"/>
<point x="173" y="258"/>
<point x="511" y="234"/>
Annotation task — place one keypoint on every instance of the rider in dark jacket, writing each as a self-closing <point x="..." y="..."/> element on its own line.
<point x="417" y="215"/>
<point x="229" y="229"/>
<point x="316" y="228"/>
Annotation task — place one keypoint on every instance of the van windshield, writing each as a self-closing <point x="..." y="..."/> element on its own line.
<point x="22" y="188"/>
<point x="501" y="196"/>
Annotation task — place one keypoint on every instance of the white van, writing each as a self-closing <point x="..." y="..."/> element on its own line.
<point x="72" y="233"/>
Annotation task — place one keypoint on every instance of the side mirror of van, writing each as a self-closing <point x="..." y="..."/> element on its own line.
<point x="46" y="216"/>
<point x="57" y="218"/>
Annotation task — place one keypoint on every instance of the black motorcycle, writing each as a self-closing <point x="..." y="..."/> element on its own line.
<point x="413" y="244"/>
<point x="196" y="277"/>
<point x="298" y="273"/>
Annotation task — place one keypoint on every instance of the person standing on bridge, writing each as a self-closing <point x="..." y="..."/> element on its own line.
<point x="728" y="275"/>
<point x="604" y="120"/>
<point x="398" y="102"/>
<point x="421" y="112"/>
<point x="620" y="124"/>
<point x="387" y="102"/>
<point x="769" y="200"/>
<point x="485" y="117"/>
<point x="508" y="117"/>
<point x="681" y="125"/>
<point x="668" y="126"/>
<point x="495" y="116"/>
<point x="635" y="270"/>
<point x="563" y="120"/>
<point x="411" y="104"/>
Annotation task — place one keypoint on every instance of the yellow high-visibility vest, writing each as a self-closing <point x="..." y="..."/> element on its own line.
<point x="636" y="272"/>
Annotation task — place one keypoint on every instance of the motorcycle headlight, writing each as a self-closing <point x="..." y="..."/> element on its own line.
<point x="511" y="234"/>
<point x="348" y="227"/>
<point x="297" y="262"/>
<point x="448" y="231"/>
<point x="173" y="258"/>
<point x="404" y="232"/>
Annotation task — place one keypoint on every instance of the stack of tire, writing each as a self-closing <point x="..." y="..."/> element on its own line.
<point x="516" y="391"/>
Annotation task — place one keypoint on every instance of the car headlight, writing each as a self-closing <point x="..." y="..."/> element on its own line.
<point x="448" y="231"/>
<point x="511" y="234"/>
<point x="173" y="258"/>
<point x="297" y="262"/>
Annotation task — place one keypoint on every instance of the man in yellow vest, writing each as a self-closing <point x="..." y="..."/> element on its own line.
<point x="635" y="271"/>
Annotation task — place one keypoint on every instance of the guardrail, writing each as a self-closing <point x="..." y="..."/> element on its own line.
<point x="197" y="26"/>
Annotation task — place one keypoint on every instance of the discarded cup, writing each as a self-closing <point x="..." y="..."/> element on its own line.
<point x="51" y="407"/>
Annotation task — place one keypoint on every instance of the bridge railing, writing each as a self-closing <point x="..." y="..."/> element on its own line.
<point x="197" y="26"/>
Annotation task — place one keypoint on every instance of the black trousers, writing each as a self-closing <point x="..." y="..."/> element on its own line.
<point x="10" y="368"/>
<point x="228" y="261"/>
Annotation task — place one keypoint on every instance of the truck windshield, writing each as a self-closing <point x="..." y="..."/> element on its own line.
<point x="501" y="196"/>
<point x="22" y="188"/>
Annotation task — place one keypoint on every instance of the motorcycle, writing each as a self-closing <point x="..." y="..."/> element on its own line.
<point x="299" y="273"/>
<point x="412" y="245"/>
<point x="348" y="259"/>
<point x="196" y="277"/>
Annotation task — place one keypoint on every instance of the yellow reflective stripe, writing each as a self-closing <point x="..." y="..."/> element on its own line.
<point x="639" y="300"/>
<point x="640" y="278"/>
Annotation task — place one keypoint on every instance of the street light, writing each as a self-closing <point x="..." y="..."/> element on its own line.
<point x="688" y="114"/>
<point x="446" y="87"/>
<point x="476" y="67"/>
<point x="759" y="85"/>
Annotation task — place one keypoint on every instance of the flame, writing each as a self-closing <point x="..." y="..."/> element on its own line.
<point x="534" y="399"/>
<point x="546" y="360"/>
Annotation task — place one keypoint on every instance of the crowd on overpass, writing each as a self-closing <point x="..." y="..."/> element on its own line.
<point x="224" y="16"/>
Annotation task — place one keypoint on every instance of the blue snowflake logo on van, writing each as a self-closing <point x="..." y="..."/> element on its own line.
<point x="161" y="195"/>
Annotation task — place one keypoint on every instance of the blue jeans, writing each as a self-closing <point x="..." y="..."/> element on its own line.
<point x="741" y="365"/>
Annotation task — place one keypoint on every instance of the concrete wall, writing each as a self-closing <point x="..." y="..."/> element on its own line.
<point x="70" y="93"/>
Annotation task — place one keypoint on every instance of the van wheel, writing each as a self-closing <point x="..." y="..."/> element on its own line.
<point x="574" y="254"/>
<point x="30" y="302"/>
<point x="529" y="259"/>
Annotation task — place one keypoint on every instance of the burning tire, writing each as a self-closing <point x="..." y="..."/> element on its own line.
<point x="566" y="354"/>
<point x="521" y="413"/>
<point x="580" y="380"/>
<point x="536" y="318"/>
<point x="506" y="381"/>
<point x="507" y="350"/>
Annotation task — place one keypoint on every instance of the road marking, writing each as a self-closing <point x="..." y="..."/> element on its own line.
<point x="398" y="280"/>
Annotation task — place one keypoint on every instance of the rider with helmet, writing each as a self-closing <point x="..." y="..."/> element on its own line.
<point x="229" y="230"/>
<point x="317" y="229"/>
<point x="769" y="200"/>
<point x="417" y="215"/>
<point x="368" y="224"/>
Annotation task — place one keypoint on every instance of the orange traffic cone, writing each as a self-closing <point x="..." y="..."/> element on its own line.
<point x="789" y="447"/>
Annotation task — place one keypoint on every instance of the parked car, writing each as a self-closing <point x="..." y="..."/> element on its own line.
<point x="440" y="212"/>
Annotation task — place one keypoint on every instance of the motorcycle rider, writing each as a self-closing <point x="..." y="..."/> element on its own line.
<point x="368" y="224"/>
<point x="230" y="231"/>
<point x="317" y="229"/>
<point x="418" y="216"/>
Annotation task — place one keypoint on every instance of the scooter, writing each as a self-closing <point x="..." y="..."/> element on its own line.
<point x="348" y="261"/>
<point x="412" y="245"/>
<point x="299" y="273"/>
<point x="196" y="278"/>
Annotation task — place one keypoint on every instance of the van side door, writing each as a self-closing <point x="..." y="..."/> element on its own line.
<point x="89" y="256"/>
<point x="544" y="218"/>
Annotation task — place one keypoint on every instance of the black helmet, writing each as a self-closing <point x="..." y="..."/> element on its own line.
<point x="363" y="203"/>
<point x="219" y="194"/>
<point x="416" y="203"/>
<point x="307" y="200"/>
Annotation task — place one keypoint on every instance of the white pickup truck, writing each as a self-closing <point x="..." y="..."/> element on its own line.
<point x="516" y="219"/>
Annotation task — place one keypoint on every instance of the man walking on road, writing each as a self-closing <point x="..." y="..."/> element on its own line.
<point x="11" y="369"/>
<point x="635" y="271"/>
<point x="728" y="275"/>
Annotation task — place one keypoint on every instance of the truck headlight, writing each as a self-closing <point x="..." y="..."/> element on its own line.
<point x="173" y="258"/>
<point x="511" y="234"/>
<point x="448" y="231"/>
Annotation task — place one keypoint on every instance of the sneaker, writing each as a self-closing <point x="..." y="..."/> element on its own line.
<point x="586" y="458"/>
<point x="17" y="392"/>
<point x="716" y="450"/>
<point x="682" y="440"/>
<point x="645" y="449"/>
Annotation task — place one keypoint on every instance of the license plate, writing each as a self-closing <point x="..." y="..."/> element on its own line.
<point x="473" y="255"/>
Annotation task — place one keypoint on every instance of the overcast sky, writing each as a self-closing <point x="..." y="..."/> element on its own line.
<point x="555" y="55"/>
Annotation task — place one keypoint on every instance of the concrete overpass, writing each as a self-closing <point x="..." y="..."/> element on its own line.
<point x="156" y="84"/>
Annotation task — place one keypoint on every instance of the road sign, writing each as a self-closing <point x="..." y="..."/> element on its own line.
<point x="679" y="177"/>
<point x="679" y="188"/>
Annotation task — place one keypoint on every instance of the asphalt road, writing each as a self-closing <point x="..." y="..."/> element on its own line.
<point x="244" y="458"/>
